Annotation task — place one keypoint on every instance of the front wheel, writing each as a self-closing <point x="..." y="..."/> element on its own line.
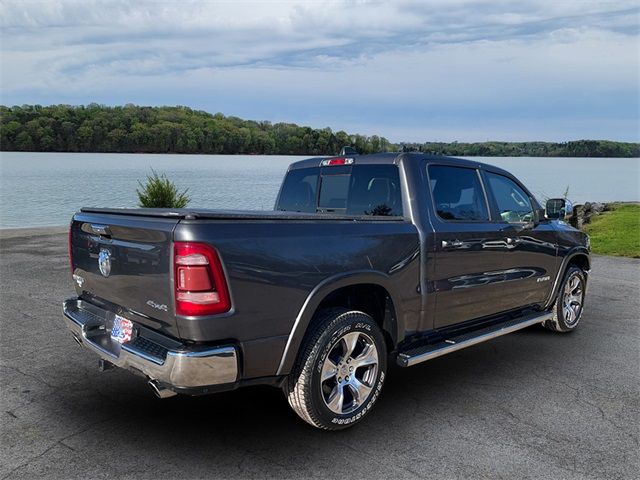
<point x="340" y="370"/>
<point x="567" y="311"/>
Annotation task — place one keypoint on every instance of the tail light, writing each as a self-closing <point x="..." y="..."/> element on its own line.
<point x="200" y="284"/>
<point x="336" y="161"/>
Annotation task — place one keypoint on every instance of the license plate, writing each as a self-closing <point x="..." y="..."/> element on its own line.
<point x="122" y="330"/>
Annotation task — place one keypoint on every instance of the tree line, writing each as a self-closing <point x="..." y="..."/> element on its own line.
<point x="577" y="148"/>
<point x="137" y="129"/>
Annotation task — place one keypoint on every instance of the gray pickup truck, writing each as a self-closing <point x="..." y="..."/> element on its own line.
<point x="365" y="260"/>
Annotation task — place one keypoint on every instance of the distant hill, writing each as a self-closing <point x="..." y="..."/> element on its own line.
<point x="135" y="129"/>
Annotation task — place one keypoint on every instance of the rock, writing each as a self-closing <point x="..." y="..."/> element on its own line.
<point x="582" y="214"/>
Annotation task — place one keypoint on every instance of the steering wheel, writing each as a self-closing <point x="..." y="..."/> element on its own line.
<point x="510" y="216"/>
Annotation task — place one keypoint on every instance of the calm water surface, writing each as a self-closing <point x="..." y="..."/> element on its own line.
<point x="41" y="189"/>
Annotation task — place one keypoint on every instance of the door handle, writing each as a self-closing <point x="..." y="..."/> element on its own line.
<point x="495" y="244"/>
<point x="452" y="244"/>
<point x="102" y="230"/>
<point x="507" y="242"/>
<point x="512" y="242"/>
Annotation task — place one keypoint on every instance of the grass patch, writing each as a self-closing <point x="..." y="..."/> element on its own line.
<point x="616" y="232"/>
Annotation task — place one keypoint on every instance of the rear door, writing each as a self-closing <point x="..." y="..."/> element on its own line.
<point x="124" y="263"/>
<point x="531" y="256"/>
<point x="468" y="275"/>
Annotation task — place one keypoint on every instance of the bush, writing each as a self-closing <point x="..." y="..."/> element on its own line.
<point x="160" y="192"/>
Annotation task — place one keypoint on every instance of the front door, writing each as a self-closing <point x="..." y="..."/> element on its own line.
<point x="468" y="274"/>
<point x="530" y="259"/>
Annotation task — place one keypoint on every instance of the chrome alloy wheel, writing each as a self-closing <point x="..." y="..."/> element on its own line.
<point x="349" y="372"/>
<point x="572" y="299"/>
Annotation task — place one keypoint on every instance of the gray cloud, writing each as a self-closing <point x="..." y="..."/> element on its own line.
<point x="428" y="59"/>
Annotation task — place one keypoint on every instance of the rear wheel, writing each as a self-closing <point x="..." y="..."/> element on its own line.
<point x="567" y="311"/>
<point x="340" y="371"/>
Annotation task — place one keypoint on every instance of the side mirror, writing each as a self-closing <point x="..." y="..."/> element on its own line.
<point x="559" y="209"/>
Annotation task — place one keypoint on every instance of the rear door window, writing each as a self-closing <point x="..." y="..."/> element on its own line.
<point x="375" y="190"/>
<point x="457" y="193"/>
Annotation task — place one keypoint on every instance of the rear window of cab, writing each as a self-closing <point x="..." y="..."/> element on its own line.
<point x="348" y="189"/>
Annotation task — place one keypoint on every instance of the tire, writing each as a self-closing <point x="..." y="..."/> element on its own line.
<point x="569" y="305"/>
<point x="340" y="370"/>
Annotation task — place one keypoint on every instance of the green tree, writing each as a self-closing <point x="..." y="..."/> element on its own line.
<point x="24" y="142"/>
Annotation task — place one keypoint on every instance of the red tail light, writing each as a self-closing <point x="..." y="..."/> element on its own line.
<point x="200" y="284"/>
<point x="336" y="161"/>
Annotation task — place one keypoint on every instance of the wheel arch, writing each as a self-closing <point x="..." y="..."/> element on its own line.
<point x="580" y="260"/>
<point x="579" y="256"/>
<point x="354" y="287"/>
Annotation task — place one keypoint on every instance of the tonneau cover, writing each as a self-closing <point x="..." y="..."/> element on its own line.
<point x="195" y="214"/>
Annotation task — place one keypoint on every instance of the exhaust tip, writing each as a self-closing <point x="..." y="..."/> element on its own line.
<point x="105" y="365"/>
<point x="78" y="341"/>
<point x="160" y="391"/>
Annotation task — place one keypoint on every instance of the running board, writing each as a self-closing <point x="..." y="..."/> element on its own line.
<point x="427" y="352"/>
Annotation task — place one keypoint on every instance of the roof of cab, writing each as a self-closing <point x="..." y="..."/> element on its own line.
<point x="395" y="158"/>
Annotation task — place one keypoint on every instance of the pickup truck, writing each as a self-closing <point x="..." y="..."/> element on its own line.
<point x="365" y="260"/>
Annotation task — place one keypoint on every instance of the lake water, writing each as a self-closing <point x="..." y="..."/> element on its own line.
<point x="42" y="189"/>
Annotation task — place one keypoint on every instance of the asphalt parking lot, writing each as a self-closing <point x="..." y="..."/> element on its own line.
<point x="533" y="404"/>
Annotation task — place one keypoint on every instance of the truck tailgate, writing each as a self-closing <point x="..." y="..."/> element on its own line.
<point x="135" y="276"/>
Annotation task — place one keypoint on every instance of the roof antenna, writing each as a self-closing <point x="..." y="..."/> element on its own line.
<point x="348" y="151"/>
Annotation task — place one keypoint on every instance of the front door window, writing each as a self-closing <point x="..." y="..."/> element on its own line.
<point x="513" y="202"/>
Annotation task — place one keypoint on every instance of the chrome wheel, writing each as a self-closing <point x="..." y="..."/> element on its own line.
<point x="349" y="372"/>
<point x="572" y="299"/>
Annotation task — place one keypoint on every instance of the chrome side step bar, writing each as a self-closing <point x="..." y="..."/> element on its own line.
<point x="433" y="350"/>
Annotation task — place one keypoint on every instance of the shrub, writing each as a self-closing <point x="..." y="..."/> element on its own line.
<point x="160" y="192"/>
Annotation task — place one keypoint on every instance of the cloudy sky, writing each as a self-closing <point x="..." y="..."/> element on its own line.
<point x="409" y="70"/>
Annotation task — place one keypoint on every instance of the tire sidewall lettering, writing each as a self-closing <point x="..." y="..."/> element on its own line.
<point x="365" y="409"/>
<point x="324" y="351"/>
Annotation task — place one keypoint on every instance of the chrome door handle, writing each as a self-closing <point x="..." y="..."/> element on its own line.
<point x="496" y="244"/>
<point x="103" y="230"/>
<point x="452" y="243"/>
<point x="512" y="242"/>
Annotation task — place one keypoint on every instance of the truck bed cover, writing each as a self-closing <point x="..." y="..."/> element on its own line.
<point x="196" y="214"/>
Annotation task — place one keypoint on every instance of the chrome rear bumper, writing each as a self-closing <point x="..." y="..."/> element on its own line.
<point x="149" y="353"/>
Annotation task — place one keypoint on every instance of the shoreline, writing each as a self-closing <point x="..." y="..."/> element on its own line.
<point x="6" y="233"/>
